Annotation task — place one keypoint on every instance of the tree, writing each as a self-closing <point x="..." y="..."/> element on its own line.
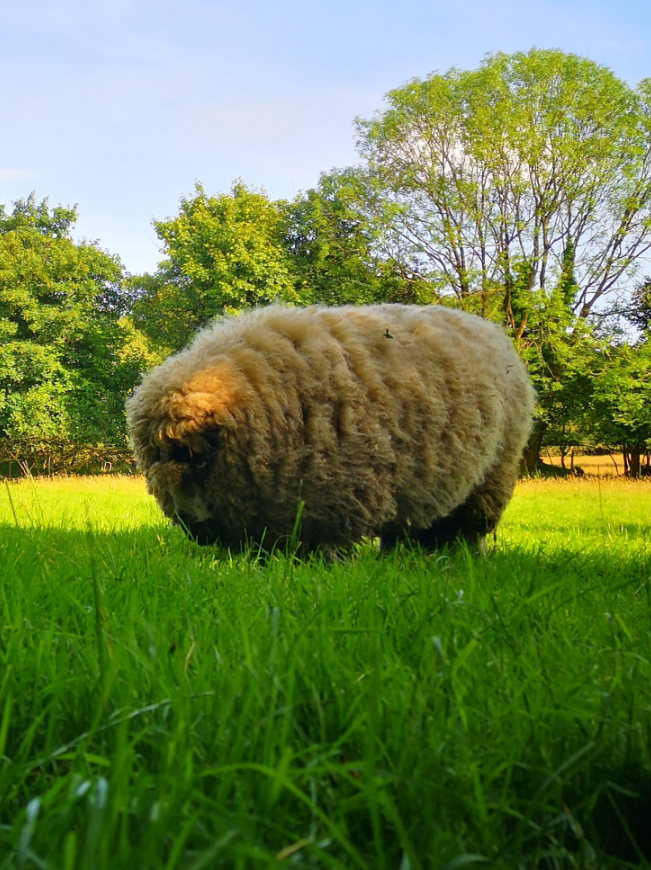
<point x="223" y="253"/>
<point x="638" y="312"/>
<point x="562" y="357"/>
<point x="233" y="251"/>
<point x="621" y="405"/>
<point x="334" y="250"/>
<point x="67" y="356"/>
<point x="494" y="183"/>
<point x="164" y="308"/>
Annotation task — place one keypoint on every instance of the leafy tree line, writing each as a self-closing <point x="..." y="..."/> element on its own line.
<point x="68" y="353"/>
<point x="520" y="191"/>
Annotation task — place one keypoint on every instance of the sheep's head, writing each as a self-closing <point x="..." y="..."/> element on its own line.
<point x="176" y="431"/>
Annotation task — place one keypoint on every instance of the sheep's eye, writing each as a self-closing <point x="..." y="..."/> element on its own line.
<point x="182" y="454"/>
<point x="176" y="453"/>
<point x="211" y="440"/>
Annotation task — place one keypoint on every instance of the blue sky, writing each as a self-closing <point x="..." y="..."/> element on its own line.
<point x="120" y="106"/>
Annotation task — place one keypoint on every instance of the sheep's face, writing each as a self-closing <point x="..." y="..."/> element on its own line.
<point x="178" y="478"/>
<point x="175" y="432"/>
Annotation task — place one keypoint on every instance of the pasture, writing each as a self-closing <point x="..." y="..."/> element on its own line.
<point x="166" y="706"/>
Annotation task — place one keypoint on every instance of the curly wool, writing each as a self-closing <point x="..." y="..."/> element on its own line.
<point x="380" y="420"/>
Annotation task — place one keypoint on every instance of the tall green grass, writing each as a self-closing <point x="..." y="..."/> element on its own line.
<point x="167" y="706"/>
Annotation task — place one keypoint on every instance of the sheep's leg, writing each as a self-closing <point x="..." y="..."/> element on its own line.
<point x="467" y="523"/>
<point x="392" y="535"/>
<point x="478" y="516"/>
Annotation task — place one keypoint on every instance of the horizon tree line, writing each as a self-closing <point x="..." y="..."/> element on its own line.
<point x="520" y="191"/>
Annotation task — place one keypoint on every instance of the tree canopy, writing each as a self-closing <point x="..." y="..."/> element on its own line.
<point x="66" y="356"/>
<point x="500" y="181"/>
<point x="335" y="249"/>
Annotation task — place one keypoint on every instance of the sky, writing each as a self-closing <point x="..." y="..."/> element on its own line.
<point x="121" y="106"/>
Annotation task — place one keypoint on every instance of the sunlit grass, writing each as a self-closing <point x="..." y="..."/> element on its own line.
<point x="167" y="706"/>
<point x="110" y="503"/>
<point x="580" y="514"/>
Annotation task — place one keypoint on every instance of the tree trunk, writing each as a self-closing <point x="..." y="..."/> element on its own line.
<point x="531" y="453"/>
<point x="632" y="464"/>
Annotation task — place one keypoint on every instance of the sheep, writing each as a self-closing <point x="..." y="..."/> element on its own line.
<point x="389" y="421"/>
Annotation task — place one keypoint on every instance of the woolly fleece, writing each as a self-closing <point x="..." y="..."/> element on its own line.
<point x="382" y="420"/>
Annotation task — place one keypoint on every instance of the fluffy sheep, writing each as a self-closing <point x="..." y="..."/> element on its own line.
<point x="384" y="420"/>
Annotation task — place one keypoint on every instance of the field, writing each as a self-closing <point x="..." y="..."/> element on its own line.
<point x="166" y="706"/>
<point x="609" y="465"/>
<point x="599" y="466"/>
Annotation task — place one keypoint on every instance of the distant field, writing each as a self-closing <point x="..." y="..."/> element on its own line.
<point x="602" y="466"/>
<point x="167" y="706"/>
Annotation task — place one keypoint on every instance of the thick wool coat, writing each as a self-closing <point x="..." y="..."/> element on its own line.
<point x="374" y="420"/>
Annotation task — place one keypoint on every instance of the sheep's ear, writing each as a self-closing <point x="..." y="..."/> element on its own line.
<point x="192" y="416"/>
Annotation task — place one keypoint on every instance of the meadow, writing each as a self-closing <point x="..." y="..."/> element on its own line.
<point x="168" y="706"/>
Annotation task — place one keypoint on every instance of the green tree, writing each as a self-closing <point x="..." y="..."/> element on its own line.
<point x="67" y="355"/>
<point x="493" y="183"/>
<point x="562" y="356"/>
<point x="335" y="248"/>
<point x="222" y="254"/>
<point x="164" y="308"/>
<point x="638" y="311"/>
<point x="621" y="405"/>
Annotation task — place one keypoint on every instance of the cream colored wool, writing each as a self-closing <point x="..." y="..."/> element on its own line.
<point x="382" y="420"/>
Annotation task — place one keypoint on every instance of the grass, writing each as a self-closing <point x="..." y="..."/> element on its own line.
<point x="166" y="706"/>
